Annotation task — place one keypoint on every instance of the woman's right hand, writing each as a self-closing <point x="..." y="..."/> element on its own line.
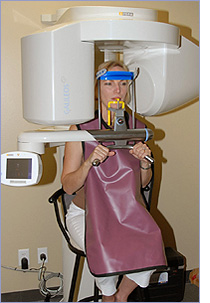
<point x="100" y="153"/>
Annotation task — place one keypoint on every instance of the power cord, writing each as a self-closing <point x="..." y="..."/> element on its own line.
<point x="43" y="278"/>
<point x="44" y="290"/>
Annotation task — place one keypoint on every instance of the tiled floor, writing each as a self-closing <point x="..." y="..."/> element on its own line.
<point x="191" y="295"/>
<point x="27" y="296"/>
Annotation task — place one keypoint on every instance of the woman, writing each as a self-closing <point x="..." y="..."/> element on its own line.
<point x="103" y="184"/>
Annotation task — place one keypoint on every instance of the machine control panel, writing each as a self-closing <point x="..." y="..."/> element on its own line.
<point x="20" y="168"/>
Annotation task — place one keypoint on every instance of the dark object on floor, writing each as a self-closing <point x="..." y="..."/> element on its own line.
<point x="166" y="285"/>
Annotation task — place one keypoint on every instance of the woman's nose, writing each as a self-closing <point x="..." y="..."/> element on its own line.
<point x="117" y="87"/>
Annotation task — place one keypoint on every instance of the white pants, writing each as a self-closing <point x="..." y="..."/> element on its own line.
<point x="75" y="221"/>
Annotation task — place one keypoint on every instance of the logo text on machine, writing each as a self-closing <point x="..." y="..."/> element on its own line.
<point x="66" y="95"/>
<point x="128" y="14"/>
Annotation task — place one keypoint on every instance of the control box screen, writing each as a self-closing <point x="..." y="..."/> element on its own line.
<point x="19" y="169"/>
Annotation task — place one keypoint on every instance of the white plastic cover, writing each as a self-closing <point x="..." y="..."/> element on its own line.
<point x="58" y="63"/>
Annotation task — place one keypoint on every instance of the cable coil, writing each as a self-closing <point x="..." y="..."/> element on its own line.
<point x="47" y="292"/>
<point x="52" y="292"/>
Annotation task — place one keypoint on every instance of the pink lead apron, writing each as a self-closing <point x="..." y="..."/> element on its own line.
<point x="121" y="236"/>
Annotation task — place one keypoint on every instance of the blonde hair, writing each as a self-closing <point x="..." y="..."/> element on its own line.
<point x="109" y="65"/>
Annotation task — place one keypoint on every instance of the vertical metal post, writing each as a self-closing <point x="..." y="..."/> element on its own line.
<point x="99" y="106"/>
<point x="133" y="105"/>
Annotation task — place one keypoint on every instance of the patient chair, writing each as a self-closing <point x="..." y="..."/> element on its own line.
<point x="60" y="212"/>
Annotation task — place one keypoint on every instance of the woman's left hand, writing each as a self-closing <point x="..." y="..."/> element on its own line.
<point x="140" y="150"/>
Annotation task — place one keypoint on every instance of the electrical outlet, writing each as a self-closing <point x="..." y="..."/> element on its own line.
<point x="42" y="250"/>
<point x="23" y="253"/>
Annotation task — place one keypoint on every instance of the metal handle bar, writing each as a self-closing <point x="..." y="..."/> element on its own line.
<point x="148" y="158"/>
<point x="143" y="134"/>
<point x="96" y="162"/>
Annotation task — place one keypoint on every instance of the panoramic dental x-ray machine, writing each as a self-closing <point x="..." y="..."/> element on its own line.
<point x="58" y="83"/>
<point x="58" y="79"/>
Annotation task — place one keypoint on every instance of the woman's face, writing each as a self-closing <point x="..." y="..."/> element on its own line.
<point x="112" y="90"/>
